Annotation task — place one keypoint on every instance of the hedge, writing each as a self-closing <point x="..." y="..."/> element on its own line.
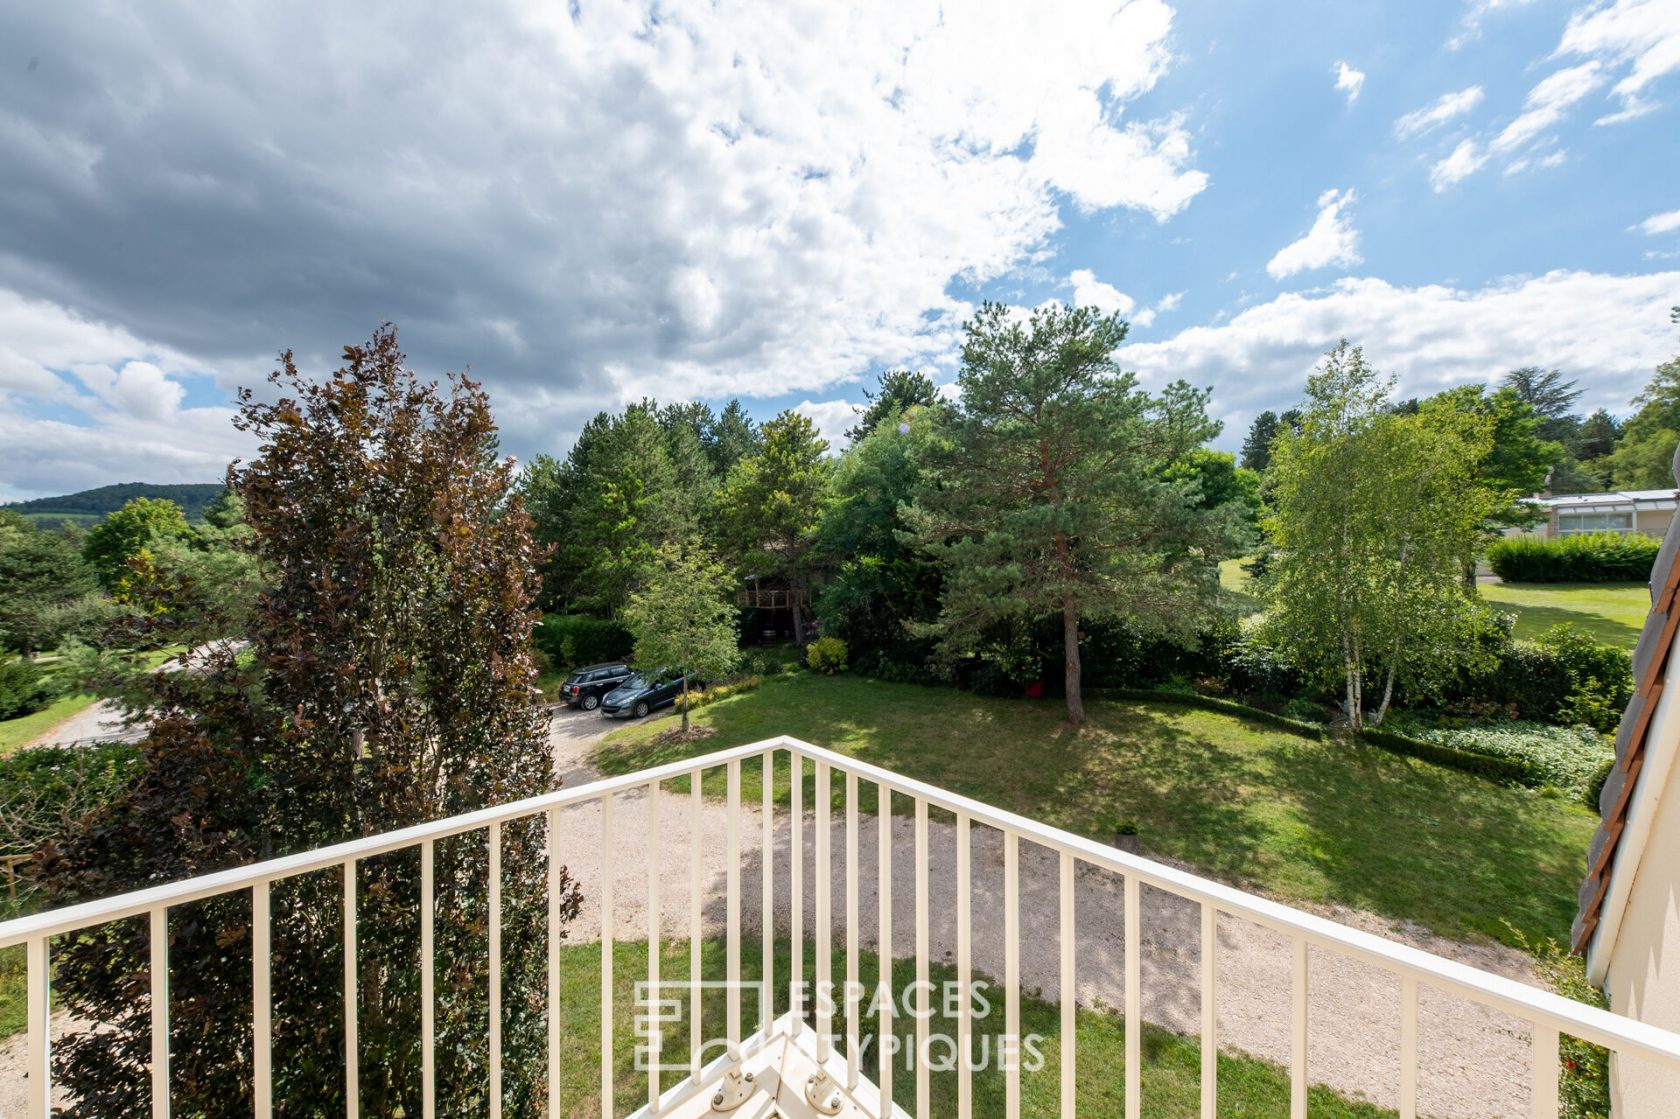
<point x="24" y="688"/>
<point x="1592" y="557"/>
<point x="574" y="640"/>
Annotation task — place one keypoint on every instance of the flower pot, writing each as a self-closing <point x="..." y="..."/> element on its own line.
<point x="1126" y="841"/>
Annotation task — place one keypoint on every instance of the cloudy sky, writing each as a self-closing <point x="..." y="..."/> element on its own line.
<point x="589" y="203"/>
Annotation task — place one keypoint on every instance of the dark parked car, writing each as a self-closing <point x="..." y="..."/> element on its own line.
<point x="644" y="692"/>
<point x="585" y="687"/>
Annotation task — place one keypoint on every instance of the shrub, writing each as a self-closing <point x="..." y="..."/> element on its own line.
<point x="1566" y="757"/>
<point x="1593" y="557"/>
<point x="702" y="697"/>
<point x="1584" y="1073"/>
<point x="1305" y="710"/>
<point x="826" y="655"/>
<point x="571" y="640"/>
<point x="44" y="789"/>
<point x="24" y="688"/>
<point x="1596" y="783"/>
<point x="1565" y="677"/>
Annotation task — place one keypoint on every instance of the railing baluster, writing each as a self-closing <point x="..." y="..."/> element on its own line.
<point x="1298" y="1032"/>
<point x="1408" y="1046"/>
<point x="554" y="934"/>
<point x="608" y="1107"/>
<point x="493" y="840"/>
<point x="352" y="987"/>
<point x="1012" y="972"/>
<point x="39" y="1070"/>
<point x="1210" y="1012"/>
<point x="924" y="1020"/>
<point x="694" y="969"/>
<point x="656" y="1035"/>
<point x="1545" y="1072"/>
<point x="796" y="886"/>
<point x="965" y="973"/>
<point x="160" y="1012"/>
<point x="732" y="896"/>
<point x="428" y="1034"/>
<point x="852" y="1008"/>
<point x="825" y="918"/>
<point x="884" y="904"/>
<point x="1070" y="998"/>
<point x="262" y="1003"/>
<point x="767" y="879"/>
<point x="1134" y="997"/>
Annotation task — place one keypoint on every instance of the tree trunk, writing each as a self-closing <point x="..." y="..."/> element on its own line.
<point x="1070" y="650"/>
<point x="685" y="703"/>
<point x="1350" y="671"/>
<point x="798" y="612"/>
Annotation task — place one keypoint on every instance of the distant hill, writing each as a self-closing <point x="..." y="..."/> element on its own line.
<point x="92" y="506"/>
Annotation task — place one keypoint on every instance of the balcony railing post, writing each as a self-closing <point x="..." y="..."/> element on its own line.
<point x="428" y="981"/>
<point x="965" y="972"/>
<point x="160" y="1011"/>
<point x="924" y="1013"/>
<point x="262" y="1003"/>
<point x="824" y="886"/>
<point x="852" y="1008"/>
<point x="1408" y="1046"/>
<point x="609" y="1108"/>
<point x="796" y="886"/>
<point x="352" y="1031"/>
<point x="39" y="1070"/>
<point x="884" y="906"/>
<point x="494" y="872"/>
<point x="1069" y="993"/>
<point x="1545" y="1072"/>
<point x="1134" y="997"/>
<point x="555" y="932"/>
<point x="656" y="1034"/>
<point x="1210" y="1012"/>
<point x="694" y="970"/>
<point x="732" y="900"/>
<point x="767" y="883"/>
<point x="1012" y="974"/>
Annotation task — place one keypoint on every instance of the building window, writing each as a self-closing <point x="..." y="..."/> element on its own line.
<point x="1570" y="524"/>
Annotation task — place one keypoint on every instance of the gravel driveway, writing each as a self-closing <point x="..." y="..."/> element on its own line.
<point x="1473" y="1061"/>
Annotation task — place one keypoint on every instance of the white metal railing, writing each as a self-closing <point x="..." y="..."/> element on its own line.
<point x="1547" y="1015"/>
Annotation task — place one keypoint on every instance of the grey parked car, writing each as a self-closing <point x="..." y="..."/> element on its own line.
<point x="644" y="692"/>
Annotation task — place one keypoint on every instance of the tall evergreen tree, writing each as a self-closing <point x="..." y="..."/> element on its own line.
<point x="1257" y="445"/>
<point x="1053" y="499"/>
<point x="899" y="391"/>
<point x="773" y="502"/>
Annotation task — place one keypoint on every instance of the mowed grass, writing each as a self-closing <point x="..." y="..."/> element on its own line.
<point x="1612" y="612"/>
<point x="1299" y="820"/>
<point x="1170" y="1080"/>
<point x="26" y="728"/>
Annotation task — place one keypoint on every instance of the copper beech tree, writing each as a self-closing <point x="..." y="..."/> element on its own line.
<point x="388" y="679"/>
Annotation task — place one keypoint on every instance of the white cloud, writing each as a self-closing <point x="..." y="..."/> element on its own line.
<point x="1528" y="163"/>
<point x="127" y="393"/>
<point x="1610" y="331"/>
<point x="1464" y="161"/>
<point x="1349" y="80"/>
<point x="1170" y="302"/>
<point x="726" y="199"/>
<point x="1470" y="27"/>
<point x="1331" y="240"/>
<point x="1642" y="35"/>
<point x="1088" y="291"/>
<point x="1438" y="112"/>
<point x="832" y="418"/>
<point x="1546" y="104"/>
<point x="1666" y="222"/>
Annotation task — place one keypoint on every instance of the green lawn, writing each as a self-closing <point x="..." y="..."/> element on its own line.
<point x="1611" y="612"/>
<point x="1298" y="820"/>
<point x="16" y="732"/>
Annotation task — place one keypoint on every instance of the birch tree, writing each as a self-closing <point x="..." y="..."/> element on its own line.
<point x="1372" y="512"/>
